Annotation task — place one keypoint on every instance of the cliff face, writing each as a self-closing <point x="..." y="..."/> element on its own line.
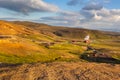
<point x="60" y="71"/>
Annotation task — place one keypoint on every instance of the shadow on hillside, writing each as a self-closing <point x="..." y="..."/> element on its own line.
<point x="8" y="65"/>
<point x="100" y="59"/>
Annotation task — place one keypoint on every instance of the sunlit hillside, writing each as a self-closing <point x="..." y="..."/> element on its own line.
<point x="27" y="42"/>
<point x="65" y="32"/>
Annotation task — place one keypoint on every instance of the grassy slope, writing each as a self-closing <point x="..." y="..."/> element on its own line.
<point x="111" y="47"/>
<point x="27" y="47"/>
<point x="65" y="32"/>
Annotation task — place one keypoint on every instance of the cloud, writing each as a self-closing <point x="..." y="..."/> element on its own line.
<point x="106" y="1"/>
<point x="92" y="19"/>
<point x="84" y="2"/>
<point x="93" y="15"/>
<point x="27" y="6"/>
<point x="14" y="19"/>
<point x="93" y="6"/>
<point x="64" y="18"/>
<point x="111" y="15"/>
<point x="74" y="2"/>
<point x="101" y="19"/>
<point x="69" y="13"/>
<point x="9" y="19"/>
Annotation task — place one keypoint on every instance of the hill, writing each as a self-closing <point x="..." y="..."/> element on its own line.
<point x="33" y="51"/>
<point x="65" y="32"/>
<point x="22" y="44"/>
<point x="27" y="42"/>
<point x="7" y="28"/>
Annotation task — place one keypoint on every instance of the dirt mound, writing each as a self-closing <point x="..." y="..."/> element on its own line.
<point x="60" y="71"/>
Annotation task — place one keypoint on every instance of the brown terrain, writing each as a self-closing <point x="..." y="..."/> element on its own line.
<point x="60" y="71"/>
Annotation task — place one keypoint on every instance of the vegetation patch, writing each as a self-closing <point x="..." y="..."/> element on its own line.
<point x="4" y="58"/>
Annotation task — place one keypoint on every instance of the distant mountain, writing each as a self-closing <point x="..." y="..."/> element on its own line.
<point x="113" y="30"/>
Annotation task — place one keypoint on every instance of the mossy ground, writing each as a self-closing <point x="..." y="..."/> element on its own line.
<point x="29" y="52"/>
<point x="63" y="51"/>
<point x="109" y="46"/>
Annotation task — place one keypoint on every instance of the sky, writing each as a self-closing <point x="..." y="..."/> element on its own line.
<point x="90" y="14"/>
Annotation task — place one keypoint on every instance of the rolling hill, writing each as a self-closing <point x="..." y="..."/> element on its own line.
<point x="34" y="51"/>
<point x="33" y="42"/>
<point x="7" y="28"/>
<point x="65" y="32"/>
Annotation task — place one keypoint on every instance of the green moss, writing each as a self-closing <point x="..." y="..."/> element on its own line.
<point x="63" y="51"/>
<point x="27" y="59"/>
<point x="116" y="57"/>
<point x="38" y="37"/>
<point x="66" y="46"/>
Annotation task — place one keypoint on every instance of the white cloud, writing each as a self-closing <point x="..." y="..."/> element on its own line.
<point x="92" y="15"/>
<point x="84" y="2"/>
<point x="64" y="18"/>
<point x="26" y="6"/>
<point x="93" y="19"/>
<point x="74" y="2"/>
<point x="93" y="6"/>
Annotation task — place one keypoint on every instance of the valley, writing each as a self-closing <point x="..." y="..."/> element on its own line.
<point x="41" y="50"/>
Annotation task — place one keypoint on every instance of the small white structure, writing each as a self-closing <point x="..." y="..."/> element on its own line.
<point x="87" y="39"/>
